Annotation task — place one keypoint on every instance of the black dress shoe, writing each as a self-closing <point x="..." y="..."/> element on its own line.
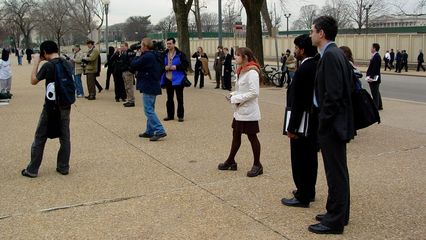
<point x="63" y="172"/>
<point x="293" y="202"/>
<point x="129" y="104"/>
<point x="90" y="98"/>
<point x="228" y="166"/>
<point x="117" y="100"/>
<point x="180" y="120"/>
<point x="255" y="171"/>
<point x="145" y="135"/>
<point x="157" y="137"/>
<point x="168" y="119"/>
<point x="322" y="229"/>
<point x="320" y="217"/>
<point x="100" y="90"/>
<point x="294" y="192"/>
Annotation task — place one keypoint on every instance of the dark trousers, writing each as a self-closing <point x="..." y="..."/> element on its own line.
<point x="304" y="165"/>
<point x="387" y="66"/>
<point x="119" y="90"/>
<point x="227" y="80"/>
<point x="420" y="65"/>
<point x="398" y="66"/>
<point x="375" y="93"/>
<point x="198" y="73"/>
<point x="40" y="138"/>
<point x="218" y="73"/>
<point x="170" y="102"/>
<point x="108" y="77"/>
<point x="335" y="163"/>
<point x="98" y="85"/>
<point x="91" y="81"/>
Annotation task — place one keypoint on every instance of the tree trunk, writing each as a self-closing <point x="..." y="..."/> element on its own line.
<point x="267" y="18"/>
<point x="197" y="16"/>
<point x="254" y="27"/>
<point x="181" y="10"/>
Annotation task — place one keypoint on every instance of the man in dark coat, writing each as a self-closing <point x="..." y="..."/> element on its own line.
<point x="392" y="58"/>
<point x="404" y="61"/>
<point x="332" y="97"/>
<point x="398" y="59"/>
<point x="420" y="61"/>
<point x="373" y="74"/>
<point x="227" y="70"/>
<point x="304" y="148"/>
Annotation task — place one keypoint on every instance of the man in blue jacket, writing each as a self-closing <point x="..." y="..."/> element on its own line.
<point x="149" y="70"/>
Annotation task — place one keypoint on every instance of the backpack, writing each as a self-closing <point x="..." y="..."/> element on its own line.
<point x="64" y="85"/>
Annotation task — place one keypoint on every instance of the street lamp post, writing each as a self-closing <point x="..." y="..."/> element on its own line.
<point x="287" y="15"/>
<point x="106" y="5"/>
<point x="367" y="9"/>
<point x="220" y="22"/>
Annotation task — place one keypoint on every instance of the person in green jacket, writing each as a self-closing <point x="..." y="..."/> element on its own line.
<point x="90" y="65"/>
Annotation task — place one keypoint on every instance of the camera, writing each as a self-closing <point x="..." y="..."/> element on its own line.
<point x="135" y="46"/>
<point x="84" y="62"/>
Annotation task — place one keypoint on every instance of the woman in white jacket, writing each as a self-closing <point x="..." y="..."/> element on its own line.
<point x="246" y="110"/>
<point x="5" y="72"/>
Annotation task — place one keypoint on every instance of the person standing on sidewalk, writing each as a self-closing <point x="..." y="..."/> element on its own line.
<point x="198" y="55"/>
<point x="227" y="70"/>
<point x="398" y="60"/>
<point x="420" y="61"/>
<point x="404" y="61"/>
<point x="332" y="98"/>
<point x="78" y="70"/>
<point x="219" y="58"/>
<point x="246" y="110"/>
<point x="110" y="65"/>
<point x="5" y="73"/>
<point x="125" y="58"/>
<point x="54" y="120"/>
<point x="392" y="58"/>
<point x="373" y="73"/>
<point x="148" y="65"/>
<point x="176" y="63"/>
<point x="304" y="147"/>
<point x="90" y="62"/>
<point x="386" y="58"/>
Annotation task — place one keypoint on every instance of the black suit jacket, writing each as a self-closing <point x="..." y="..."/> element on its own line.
<point x="420" y="58"/>
<point x="333" y="90"/>
<point x="300" y="94"/>
<point x="374" y="67"/>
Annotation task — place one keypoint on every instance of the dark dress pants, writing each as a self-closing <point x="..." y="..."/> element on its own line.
<point x="227" y="80"/>
<point x="91" y="81"/>
<point x="108" y="78"/>
<point x="375" y="93"/>
<point x="170" y="102"/>
<point x="40" y="138"/>
<point x="335" y="163"/>
<point x="198" y="73"/>
<point x="120" y="91"/>
<point x="218" y="73"/>
<point x="304" y="165"/>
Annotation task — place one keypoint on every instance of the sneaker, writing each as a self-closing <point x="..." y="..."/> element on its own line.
<point x="145" y="135"/>
<point x="27" y="174"/>
<point x="129" y="104"/>
<point x="157" y="137"/>
<point x="80" y="96"/>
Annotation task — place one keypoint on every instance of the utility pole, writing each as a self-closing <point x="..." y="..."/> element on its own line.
<point x="367" y="9"/>
<point x="275" y="31"/>
<point x="287" y="15"/>
<point x="220" y="22"/>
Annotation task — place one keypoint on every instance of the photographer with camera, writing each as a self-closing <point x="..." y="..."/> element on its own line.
<point x="90" y="64"/>
<point x="148" y="64"/>
<point x="122" y="64"/>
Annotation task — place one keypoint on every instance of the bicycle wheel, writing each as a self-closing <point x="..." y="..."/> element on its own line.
<point x="276" y="78"/>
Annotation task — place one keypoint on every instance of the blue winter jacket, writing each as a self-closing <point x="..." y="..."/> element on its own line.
<point x="181" y="62"/>
<point x="149" y="72"/>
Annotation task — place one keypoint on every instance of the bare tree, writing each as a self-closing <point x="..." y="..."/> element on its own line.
<point x="167" y="24"/>
<point x="197" y="16"/>
<point x="266" y="17"/>
<point x="181" y="9"/>
<point x="307" y="15"/>
<point x="231" y="14"/>
<point x="359" y="13"/>
<point x="416" y="11"/>
<point x="53" y="19"/>
<point x="209" y="22"/>
<point x="86" y="15"/>
<point x="254" y="27"/>
<point x="19" y="13"/>
<point x="137" y="27"/>
<point x="339" y="10"/>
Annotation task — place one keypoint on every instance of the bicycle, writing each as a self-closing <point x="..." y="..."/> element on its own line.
<point x="272" y="75"/>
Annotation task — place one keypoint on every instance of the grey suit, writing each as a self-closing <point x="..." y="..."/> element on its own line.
<point x="333" y="88"/>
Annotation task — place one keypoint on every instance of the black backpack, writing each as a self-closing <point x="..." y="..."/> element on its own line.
<point x="64" y="84"/>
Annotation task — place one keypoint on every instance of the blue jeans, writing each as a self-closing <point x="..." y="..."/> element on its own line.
<point x="19" y="60"/>
<point x="78" y="86"/>
<point x="153" y="124"/>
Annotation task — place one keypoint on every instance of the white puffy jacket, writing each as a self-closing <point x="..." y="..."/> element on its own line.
<point x="245" y="98"/>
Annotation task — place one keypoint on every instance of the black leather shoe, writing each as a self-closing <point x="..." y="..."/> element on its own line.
<point x="117" y="100"/>
<point x="90" y="98"/>
<point x="294" y="192"/>
<point x="168" y="119"/>
<point x="255" y="171"/>
<point x="145" y="135"/>
<point x="66" y="172"/>
<point x="320" y="217"/>
<point x="293" y="202"/>
<point x="129" y="104"/>
<point x="322" y="229"/>
<point x="180" y="120"/>
<point x="228" y="166"/>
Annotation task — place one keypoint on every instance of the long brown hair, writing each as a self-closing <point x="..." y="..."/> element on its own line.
<point x="348" y="53"/>
<point x="247" y="53"/>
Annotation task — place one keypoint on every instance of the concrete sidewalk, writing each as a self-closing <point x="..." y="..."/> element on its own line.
<point x="124" y="187"/>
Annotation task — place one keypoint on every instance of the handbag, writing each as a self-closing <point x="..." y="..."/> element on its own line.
<point x="186" y="82"/>
<point x="364" y="110"/>
<point x="304" y="123"/>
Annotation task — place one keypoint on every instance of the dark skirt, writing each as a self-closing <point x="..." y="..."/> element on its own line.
<point x="247" y="127"/>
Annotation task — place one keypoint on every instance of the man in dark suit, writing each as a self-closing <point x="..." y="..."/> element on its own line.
<point x="404" y="62"/>
<point x="392" y="58"/>
<point x="398" y="59"/>
<point x="373" y="73"/>
<point x="332" y="97"/>
<point x="304" y="149"/>
<point x="227" y="70"/>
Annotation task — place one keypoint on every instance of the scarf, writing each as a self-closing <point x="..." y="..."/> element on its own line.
<point x="252" y="65"/>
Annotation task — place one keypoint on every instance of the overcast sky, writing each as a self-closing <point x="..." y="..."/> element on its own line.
<point x="120" y="10"/>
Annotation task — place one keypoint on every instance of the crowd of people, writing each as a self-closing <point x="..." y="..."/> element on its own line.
<point x="318" y="109"/>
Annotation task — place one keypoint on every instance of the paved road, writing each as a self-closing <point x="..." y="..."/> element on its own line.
<point x="404" y="87"/>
